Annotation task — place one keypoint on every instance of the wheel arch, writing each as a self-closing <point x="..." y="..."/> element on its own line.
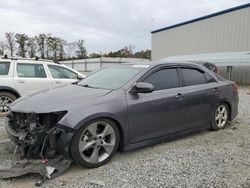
<point x="229" y="106"/>
<point x="108" y="116"/>
<point x="10" y="90"/>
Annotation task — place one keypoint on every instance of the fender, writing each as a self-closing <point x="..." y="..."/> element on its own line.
<point x="68" y="132"/>
<point x="98" y="115"/>
<point x="13" y="91"/>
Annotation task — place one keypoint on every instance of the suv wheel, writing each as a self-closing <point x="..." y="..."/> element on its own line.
<point x="95" y="143"/>
<point x="6" y="99"/>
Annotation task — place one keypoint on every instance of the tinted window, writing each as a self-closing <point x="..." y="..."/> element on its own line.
<point x="4" y="68"/>
<point x="61" y="72"/>
<point x="209" y="78"/>
<point x="193" y="77"/>
<point x="109" y="78"/>
<point x="163" y="79"/>
<point x="31" y="70"/>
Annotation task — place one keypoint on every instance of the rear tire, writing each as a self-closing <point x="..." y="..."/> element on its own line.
<point x="220" y="117"/>
<point x="95" y="143"/>
<point x="6" y="99"/>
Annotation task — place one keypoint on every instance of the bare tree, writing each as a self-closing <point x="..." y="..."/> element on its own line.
<point x="71" y="49"/>
<point x="10" y="42"/>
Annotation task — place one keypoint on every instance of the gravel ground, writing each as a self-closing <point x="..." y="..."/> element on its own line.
<point x="207" y="159"/>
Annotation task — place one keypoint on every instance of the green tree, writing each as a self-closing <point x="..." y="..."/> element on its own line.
<point x="143" y="54"/>
<point x="10" y="44"/>
<point x="94" y="55"/>
<point x="81" y="50"/>
<point x="21" y="40"/>
<point x="1" y="48"/>
<point x="32" y="47"/>
<point x="41" y="44"/>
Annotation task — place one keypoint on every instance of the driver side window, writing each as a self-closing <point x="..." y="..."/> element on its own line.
<point x="163" y="79"/>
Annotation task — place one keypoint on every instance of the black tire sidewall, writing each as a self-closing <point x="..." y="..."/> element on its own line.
<point x="214" y="127"/>
<point x="74" y="149"/>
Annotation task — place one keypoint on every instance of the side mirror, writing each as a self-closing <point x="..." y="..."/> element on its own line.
<point x="142" y="87"/>
<point x="79" y="77"/>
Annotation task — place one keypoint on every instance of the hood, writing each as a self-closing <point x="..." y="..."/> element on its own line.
<point x="58" y="99"/>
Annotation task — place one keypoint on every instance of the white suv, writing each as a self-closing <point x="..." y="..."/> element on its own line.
<point x="21" y="77"/>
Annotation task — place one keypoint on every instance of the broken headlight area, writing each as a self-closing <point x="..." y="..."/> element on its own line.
<point x="35" y="134"/>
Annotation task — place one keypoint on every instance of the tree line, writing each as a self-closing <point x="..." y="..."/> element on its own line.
<point x="47" y="46"/>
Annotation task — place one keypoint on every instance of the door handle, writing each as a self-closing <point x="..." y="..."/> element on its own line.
<point x="58" y="82"/>
<point x="179" y="96"/>
<point x="215" y="89"/>
<point x="21" y="81"/>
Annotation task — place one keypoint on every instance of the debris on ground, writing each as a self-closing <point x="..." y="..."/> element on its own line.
<point x="50" y="170"/>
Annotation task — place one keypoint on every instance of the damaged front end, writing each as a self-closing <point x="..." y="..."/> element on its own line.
<point x="37" y="137"/>
<point x="35" y="134"/>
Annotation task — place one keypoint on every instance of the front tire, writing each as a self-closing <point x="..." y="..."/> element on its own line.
<point x="95" y="143"/>
<point x="220" y="117"/>
<point x="6" y="99"/>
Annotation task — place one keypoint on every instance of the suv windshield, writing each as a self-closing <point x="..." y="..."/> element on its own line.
<point x="109" y="78"/>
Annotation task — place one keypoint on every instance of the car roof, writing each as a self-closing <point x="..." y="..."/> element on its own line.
<point x="151" y="64"/>
<point x="28" y="60"/>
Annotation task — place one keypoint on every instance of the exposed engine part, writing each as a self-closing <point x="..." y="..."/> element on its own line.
<point x="36" y="137"/>
<point x="36" y="134"/>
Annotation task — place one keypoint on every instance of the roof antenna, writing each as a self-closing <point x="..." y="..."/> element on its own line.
<point x="5" y="56"/>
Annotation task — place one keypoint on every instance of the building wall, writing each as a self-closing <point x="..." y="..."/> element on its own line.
<point x="222" y="33"/>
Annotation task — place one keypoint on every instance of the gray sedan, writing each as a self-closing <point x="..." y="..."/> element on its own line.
<point x="123" y="107"/>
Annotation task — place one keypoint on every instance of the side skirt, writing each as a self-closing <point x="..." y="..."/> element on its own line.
<point x="157" y="140"/>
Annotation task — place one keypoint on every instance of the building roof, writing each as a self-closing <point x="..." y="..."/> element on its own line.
<point x="202" y="18"/>
<point x="220" y="59"/>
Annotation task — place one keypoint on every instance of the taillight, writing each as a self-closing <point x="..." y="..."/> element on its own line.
<point x="235" y="88"/>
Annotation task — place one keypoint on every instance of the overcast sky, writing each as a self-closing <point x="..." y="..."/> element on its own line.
<point x="105" y="25"/>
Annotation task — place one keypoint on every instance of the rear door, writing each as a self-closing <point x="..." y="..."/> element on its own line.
<point x="158" y="113"/>
<point x="31" y="78"/>
<point x="200" y="95"/>
<point x="61" y="75"/>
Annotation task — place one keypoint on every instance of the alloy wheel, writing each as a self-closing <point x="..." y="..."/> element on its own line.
<point x="221" y="116"/>
<point x="5" y="101"/>
<point x="97" y="142"/>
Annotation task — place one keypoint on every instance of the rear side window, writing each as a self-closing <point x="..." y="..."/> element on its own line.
<point x="193" y="76"/>
<point x="4" y="68"/>
<point x="61" y="72"/>
<point x="163" y="79"/>
<point x="209" y="78"/>
<point x="30" y="70"/>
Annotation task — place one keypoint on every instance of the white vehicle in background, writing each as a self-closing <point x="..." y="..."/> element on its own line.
<point x="22" y="77"/>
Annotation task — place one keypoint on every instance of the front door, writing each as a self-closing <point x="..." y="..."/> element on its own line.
<point x="158" y="113"/>
<point x="61" y="76"/>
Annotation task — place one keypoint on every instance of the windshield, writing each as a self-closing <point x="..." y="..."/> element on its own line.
<point x="109" y="78"/>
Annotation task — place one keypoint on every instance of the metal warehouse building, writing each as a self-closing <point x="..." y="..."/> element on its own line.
<point x="225" y="32"/>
